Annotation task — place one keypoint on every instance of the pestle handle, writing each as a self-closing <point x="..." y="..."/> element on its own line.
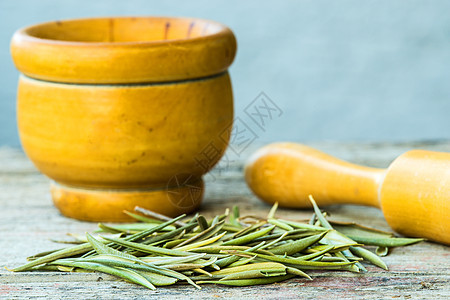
<point x="287" y="173"/>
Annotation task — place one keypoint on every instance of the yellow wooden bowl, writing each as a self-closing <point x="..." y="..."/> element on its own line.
<point x="124" y="111"/>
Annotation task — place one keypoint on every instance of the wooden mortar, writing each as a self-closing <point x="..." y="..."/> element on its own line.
<point x="118" y="112"/>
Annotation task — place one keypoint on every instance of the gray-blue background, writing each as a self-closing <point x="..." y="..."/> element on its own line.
<point x="340" y="70"/>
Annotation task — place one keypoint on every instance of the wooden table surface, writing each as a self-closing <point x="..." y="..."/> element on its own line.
<point x="28" y="222"/>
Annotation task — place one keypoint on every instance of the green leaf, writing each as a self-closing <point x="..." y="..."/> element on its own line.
<point x="382" y="251"/>
<point x="253" y="274"/>
<point x="119" y="271"/>
<point x="350" y="228"/>
<point x="66" y="252"/>
<point x="235" y="216"/>
<point x="142" y="218"/>
<point x="304" y="264"/>
<point x="273" y="266"/>
<point x="280" y="224"/>
<point x="132" y="227"/>
<point x="369" y="256"/>
<point x="148" y="248"/>
<point x="272" y="211"/>
<point x="249" y="237"/>
<point x="158" y="279"/>
<point x="385" y="242"/>
<point x="319" y="215"/>
<point x="250" y="282"/>
<point x="298" y="245"/>
<point x="201" y="243"/>
<point x="101" y="248"/>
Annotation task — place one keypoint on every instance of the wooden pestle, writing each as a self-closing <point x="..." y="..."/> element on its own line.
<point x="413" y="193"/>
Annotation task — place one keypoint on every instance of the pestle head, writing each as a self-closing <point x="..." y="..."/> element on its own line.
<point x="415" y="195"/>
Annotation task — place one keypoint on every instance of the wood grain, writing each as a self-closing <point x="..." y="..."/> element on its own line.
<point x="28" y="221"/>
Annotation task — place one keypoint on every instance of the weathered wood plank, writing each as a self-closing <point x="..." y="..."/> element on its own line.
<point x="28" y="221"/>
